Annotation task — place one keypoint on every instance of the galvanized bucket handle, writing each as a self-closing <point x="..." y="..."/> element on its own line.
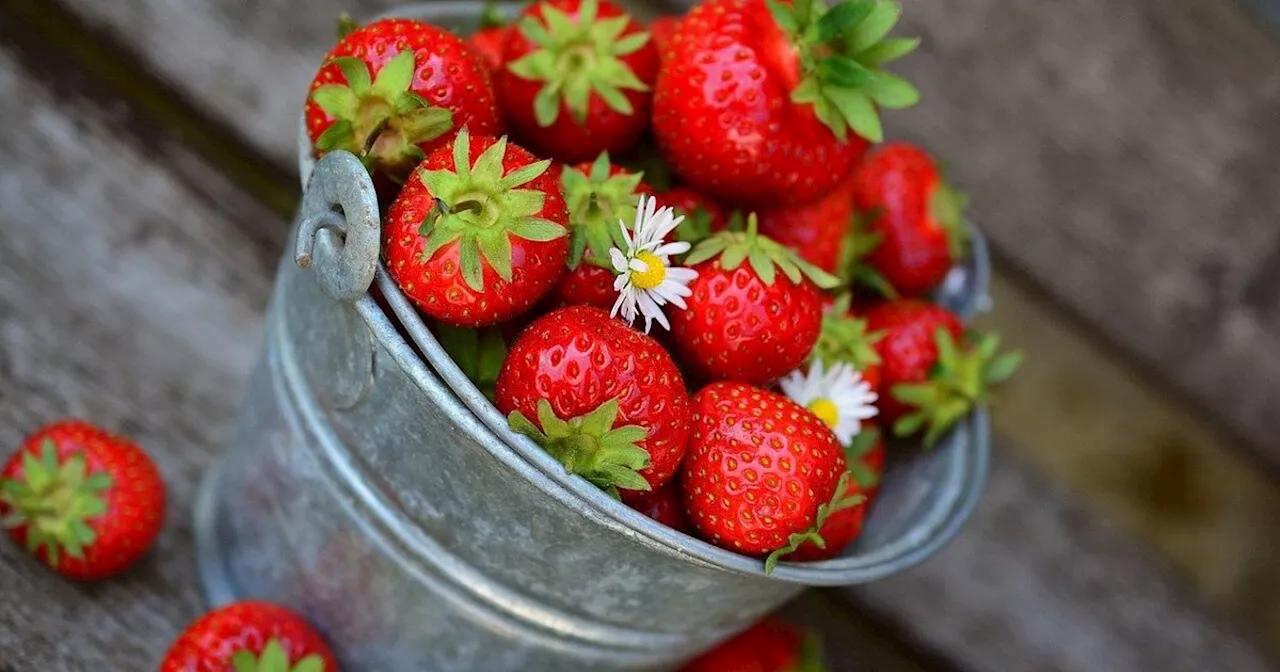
<point x="339" y="227"/>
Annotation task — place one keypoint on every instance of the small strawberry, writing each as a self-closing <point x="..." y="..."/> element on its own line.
<point x="748" y="322"/>
<point x="771" y="645"/>
<point x="587" y="285"/>
<point x="660" y="30"/>
<point x="605" y="400"/>
<point x="489" y="37"/>
<point x="477" y="235"/>
<point x="755" y="98"/>
<point x="844" y="338"/>
<point x="702" y="216"/>
<point x="934" y="373"/>
<point x="818" y="231"/>
<point x="86" y="502"/>
<point x="577" y="78"/>
<point x="917" y="218"/>
<point x="395" y="90"/>
<point x="865" y="455"/>
<point x="665" y="505"/>
<point x="249" y="636"/>
<point x="762" y="472"/>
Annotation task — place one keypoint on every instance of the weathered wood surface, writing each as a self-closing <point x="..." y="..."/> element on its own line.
<point x="1121" y="154"/>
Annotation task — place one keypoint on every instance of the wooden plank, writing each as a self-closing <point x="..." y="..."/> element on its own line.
<point x="1094" y="162"/>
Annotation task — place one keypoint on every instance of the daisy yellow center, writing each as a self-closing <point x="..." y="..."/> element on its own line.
<point x="653" y="275"/>
<point x="826" y="411"/>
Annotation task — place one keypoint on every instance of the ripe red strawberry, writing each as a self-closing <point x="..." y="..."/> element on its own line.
<point x="916" y="216"/>
<point x="771" y="645"/>
<point x="249" y="636"/>
<point x="605" y="400"/>
<point x="578" y="78"/>
<point x="590" y="284"/>
<point x="665" y="505"/>
<point x="844" y="338"/>
<point x="818" y="231"/>
<point x="755" y="100"/>
<point x="747" y="321"/>
<point x="934" y="373"/>
<point x="865" y="457"/>
<point x="477" y="235"/>
<point x="395" y="90"/>
<point x="702" y="216"/>
<point x="487" y="41"/>
<point x="661" y="30"/>
<point x="762" y="471"/>
<point x="86" y="502"/>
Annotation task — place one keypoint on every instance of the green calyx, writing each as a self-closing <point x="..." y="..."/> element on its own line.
<point x="481" y="208"/>
<point x="346" y="25"/>
<point x="478" y="352"/>
<point x="576" y="57"/>
<point x="862" y="444"/>
<point x="852" y="266"/>
<point x="493" y="16"/>
<point x="959" y="381"/>
<point x="947" y="205"/>
<point x="845" y="339"/>
<point x="696" y="226"/>
<point x="840" y="501"/>
<point x="842" y="50"/>
<point x="381" y="120"/>
<point x="596" y="202"/>
<point x="765" y="255"/>
<point x="55" y="501"/>
<point x="274" y="659"/>
<point x="590" y="446"/>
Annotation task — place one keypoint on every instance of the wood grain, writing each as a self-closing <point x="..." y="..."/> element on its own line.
<point x="1120" y="154"/>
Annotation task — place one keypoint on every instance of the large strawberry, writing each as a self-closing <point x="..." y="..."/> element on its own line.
<point x="755" y="98"/>
<point x="772" y="645"/>
<point x="85" y="501"/>
<point x="818" y="231"/>
<point x="934" y="373"/>
<point x="751" y="321"/>
<point x="844" y="338"/>
<point x="762" y="472"/>
<point x="916" y="217"/>
<point x="249" y="636"/>
<point x="605" y="400"/>
<point x="578" y="78"/>
<point x="395" y="90"/>
<point x="477" y="235"/>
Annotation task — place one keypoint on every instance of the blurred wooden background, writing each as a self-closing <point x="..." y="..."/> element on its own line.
<point x="1123" y="157"/>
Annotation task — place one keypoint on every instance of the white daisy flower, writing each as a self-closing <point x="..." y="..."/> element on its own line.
<point x="647" y="280"/>
<point x="838" y="396"/>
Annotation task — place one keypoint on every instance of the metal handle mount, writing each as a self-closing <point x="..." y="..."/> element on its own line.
<point x="339" y="226"/>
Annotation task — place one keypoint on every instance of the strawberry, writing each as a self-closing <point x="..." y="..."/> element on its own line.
<point x="702" y="216"/>
<point x="590" y="284"/>
<point x="865" y="456"/>
<point x="489" y="37"/>
<point x="86" y="502"/>
<point x="605" y="400"/>
<point x="934" y="373"/>
<point x="755" y="98"/>
<point x="665" y="505"/>
<point x="578" y="78"/>
<point x="844" y="526"/>
<point x="394" y="91"/>
<point x="917" y="218"/>
<point x="818" y="231"/>
<point x="249" y="636"/>
<point x="746" y="321"/>
<point x="771" y="645"/>
<point x="844" y="338"/>
<point x="762" y="471"/>
<point x="477" y="235"/>
<point x="660" y="30"/>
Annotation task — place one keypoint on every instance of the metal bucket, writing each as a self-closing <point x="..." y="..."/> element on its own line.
<point x="372" y="488"/>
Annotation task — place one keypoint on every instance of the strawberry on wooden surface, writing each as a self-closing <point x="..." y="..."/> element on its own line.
<point x="577" y="78"/>
<point x="916" y="218"/>
<point x="755" y="311"/>
<point x="249" y="636"/>
<point x="478" y="233"/>
<point x="395" y="90"/>
<point x="605" y="400"/>
<point x="762" y="472"/>
<point x="86" y="502"/>
<point x="934" y="373"/>
<point x="772" y="645"/>
<point x="767" y="104"/>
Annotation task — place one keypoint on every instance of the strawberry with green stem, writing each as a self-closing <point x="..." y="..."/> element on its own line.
<point x="477" y="235"/>
<point x="578" y="78"/>
<point x="603" y="399"/>
<point x="769" y="104"/>
<point x="771" y="645"/>
<point x="702" y="216"/>
<point x="755" y="311"/>
<point x="249" y="636"/>
<point x="85" y="501"/>
<point x="393" y="91"/>
<point x="844" y="338"/>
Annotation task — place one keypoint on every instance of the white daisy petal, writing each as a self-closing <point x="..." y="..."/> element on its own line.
<point x="638" y="266"/>
<point x="619" y="260"/>
<point x="671" y="249"/>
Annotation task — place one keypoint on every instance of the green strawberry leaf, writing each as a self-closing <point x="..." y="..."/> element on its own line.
<point x="590" y="445"/>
